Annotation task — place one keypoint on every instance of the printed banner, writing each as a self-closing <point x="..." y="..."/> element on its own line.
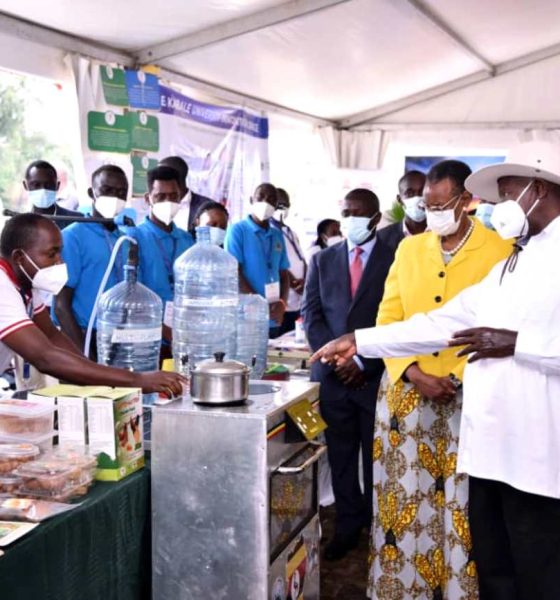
<point x="129" y="118"/>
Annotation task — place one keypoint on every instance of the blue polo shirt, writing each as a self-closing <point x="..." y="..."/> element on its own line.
<point x="86" y="251"/>
<point x="158" y="251"/>
<point x="260" y="252"/>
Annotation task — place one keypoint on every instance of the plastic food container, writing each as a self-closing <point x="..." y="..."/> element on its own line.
<point x="10" y="483"/>
<point x="78" y="458"/>
<point x="22" y="418"/>
<point x="14" y="455"/>
<point x="52" y="480"/>
<point x="43" y="441"/>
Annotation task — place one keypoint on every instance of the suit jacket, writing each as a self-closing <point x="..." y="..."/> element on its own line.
<point x="419" y="281"/>
<point x="329" y="311"/>
<point x="197" y="200"/>
<point x="394" y="233"/>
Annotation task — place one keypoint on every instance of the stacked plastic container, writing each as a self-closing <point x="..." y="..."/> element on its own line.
<point x="205" y="303"/>
<point x="252" y="333"/>
<point x="25" y="422"/>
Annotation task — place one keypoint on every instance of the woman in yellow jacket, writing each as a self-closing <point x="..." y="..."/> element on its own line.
<point x="420" y="542"/>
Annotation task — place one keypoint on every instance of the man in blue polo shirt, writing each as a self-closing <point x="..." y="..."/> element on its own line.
<point x="86" y="252"/>
<point x="261" y="253"/>
<point x="160" y="240"/>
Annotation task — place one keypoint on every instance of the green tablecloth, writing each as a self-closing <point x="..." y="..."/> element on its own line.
<point x="101" y="550"/>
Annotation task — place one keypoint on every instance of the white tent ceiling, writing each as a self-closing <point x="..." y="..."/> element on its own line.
<point x="347" y="62"/>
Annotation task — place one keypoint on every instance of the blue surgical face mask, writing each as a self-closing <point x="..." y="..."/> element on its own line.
<point x="356" y="229"/>
<point x="484" y="214"/>
<point x="217" y="235"/>
<point x="42" y="198"/>
<point x="414" y="208"/>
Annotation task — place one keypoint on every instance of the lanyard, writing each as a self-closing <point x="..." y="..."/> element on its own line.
<point x="290" y="235"/>
<point x="168" y="263"/>
<point x="119" y="265"/>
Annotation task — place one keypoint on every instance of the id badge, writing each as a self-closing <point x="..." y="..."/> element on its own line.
<point x="272" y="292"/>
<point x="168" y="314"/>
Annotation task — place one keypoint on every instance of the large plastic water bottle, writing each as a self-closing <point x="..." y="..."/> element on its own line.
<point x="252" y="333"/>
<point x="129" y="320"/>
<point x="205" y="303"/>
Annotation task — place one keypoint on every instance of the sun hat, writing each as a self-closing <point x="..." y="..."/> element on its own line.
<point x="535" y="160"/>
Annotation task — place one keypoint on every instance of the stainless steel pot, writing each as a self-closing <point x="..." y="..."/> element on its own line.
<point x="220" y="382"/>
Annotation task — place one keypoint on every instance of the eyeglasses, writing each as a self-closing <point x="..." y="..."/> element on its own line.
<point x="423" y="204"/>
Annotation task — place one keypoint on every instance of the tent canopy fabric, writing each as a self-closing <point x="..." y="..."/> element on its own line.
<point x="343" y="63"/>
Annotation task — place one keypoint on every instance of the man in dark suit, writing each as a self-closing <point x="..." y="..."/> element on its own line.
<point x="411" y="187"/>
<point x="343" y="290"/>
<point x="191" y="201"/>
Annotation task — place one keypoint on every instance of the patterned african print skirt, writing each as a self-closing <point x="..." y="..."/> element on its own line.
<point x="420" y="539"/>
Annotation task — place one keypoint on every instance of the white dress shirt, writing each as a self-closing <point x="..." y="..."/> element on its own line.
<point x="367" y="249"/>
<point x="510" y="424"/>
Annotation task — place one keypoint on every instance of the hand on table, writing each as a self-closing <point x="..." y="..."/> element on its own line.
<point x="170" y="384"/>
<point x="485" y="342"/>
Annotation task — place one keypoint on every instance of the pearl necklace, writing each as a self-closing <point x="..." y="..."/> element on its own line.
<point x="461" y="243"/>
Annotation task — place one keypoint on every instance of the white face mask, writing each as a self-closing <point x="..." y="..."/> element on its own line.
<point x="509" y="219"/>
<point x="109" y="206"/>
<point x="356" y="229"/>
<point x="413" y="208"/>
<point x="50" y="279"/>
<point x="443" y="222"/>
<point x="42" y="198"/>
<point x="263" y="211"/>
<point x="217" y="235"/>
<point x="281" y="214"/>
<point x="165" y="211"/>
<point x="335" y="239"/>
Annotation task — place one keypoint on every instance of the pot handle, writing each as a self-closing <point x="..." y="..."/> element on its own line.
<point x="219" y="356"/>
<point x="320" y="449"/>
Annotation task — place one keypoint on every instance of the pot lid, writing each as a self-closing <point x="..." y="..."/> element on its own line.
<point x="219" y="366"/>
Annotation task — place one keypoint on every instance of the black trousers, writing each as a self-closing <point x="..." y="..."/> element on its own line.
<point x="516" y="542"/>
<point x="350" y="428"/>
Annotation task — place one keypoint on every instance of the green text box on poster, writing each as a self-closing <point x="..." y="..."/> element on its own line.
<point x="114" y="86"/>
<point x="108" y="132"/>
<point x="144" y="132"/>
<point x="140" y="167"/>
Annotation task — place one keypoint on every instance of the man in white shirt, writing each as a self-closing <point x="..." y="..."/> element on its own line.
<point x="298" y="267"/>
<point x="510" y="427"/>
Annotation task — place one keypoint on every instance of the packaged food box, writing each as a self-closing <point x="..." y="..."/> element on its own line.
<point x="44" y="441"/>
<point x="10" y="483"/>
<point x="23" y="418"/>
<point x="72" y="413"/>
<point x="114" y="417"/>
<point x="51" y="480"/>
<point x="14" y="455"/>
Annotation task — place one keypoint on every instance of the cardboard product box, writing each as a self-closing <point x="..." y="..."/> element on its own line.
<point x="72" y="414"/>
<point x="114" y="422"/>
<point x="48" y="397"/>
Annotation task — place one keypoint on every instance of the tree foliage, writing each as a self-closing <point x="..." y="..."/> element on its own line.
<point x="18" y="146"/>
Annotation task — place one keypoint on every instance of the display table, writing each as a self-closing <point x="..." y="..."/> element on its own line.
<point x="101" y="550"/>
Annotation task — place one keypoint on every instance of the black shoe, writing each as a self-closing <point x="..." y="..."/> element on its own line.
<point x="339" y="547"/>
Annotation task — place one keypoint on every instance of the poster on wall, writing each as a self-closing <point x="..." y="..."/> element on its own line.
<point x="130" y="118"/>
<point x="425" y="163"/>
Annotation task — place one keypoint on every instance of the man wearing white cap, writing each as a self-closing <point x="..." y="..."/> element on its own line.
<point x="509" y="325"/>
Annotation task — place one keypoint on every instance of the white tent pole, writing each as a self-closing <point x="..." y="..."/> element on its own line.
<point x="233" y="28"/>
<point x="38" y="34"/>
<point x="441" y="126"/>
<point x="508" y="66"/>
<point x="444" y="27"/>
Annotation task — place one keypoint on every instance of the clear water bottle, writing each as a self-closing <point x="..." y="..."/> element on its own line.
<point x="252" y="333"/>
<point x="205" y="303"/>
<point x="129" y="320"/>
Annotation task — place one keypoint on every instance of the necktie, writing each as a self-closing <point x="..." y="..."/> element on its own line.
<point x="356" y="270"/>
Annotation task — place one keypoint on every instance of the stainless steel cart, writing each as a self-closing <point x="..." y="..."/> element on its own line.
<point x="234" y="493"/>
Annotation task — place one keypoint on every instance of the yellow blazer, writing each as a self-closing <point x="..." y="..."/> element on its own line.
<point x="419" y="281"/>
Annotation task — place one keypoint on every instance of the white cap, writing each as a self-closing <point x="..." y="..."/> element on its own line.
<point x="535" y="160"/>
